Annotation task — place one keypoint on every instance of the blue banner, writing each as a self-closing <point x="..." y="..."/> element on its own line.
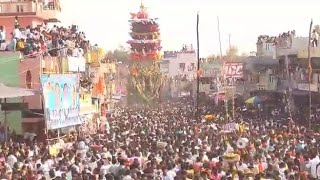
<point x="62" y="102"/>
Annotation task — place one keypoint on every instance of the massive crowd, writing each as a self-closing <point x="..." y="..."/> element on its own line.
<point x="47" y="40"/>
<point x="169" y="142"/>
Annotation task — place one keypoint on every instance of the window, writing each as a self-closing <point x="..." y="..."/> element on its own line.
<point x="19" y="8"/>
<point x="271" y="79"/>
<point x="193" y="66"/>
<point x="182" y="66"/>
<point x="29" y="80"/>
<point x="267" y="47"/>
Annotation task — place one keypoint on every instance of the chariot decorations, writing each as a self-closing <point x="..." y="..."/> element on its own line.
<point x="145" y="78"/>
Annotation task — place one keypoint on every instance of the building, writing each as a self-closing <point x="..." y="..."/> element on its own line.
<point x="180" y="67"/>
<point x="265" y="46"/>
<point x="22" y="72"/>
<point x="28" y="13"/>
<point x="292" y="71"/>
<point x="210" y="76"/>
<point x="25" y="72"/>
<point x="260" y="73"/>
<point x="179" y="63"/>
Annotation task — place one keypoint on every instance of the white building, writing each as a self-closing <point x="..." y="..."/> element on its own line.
<point x="284" y="44"/>
<point x="265" y="46"/>
<point x="182" y="63"/>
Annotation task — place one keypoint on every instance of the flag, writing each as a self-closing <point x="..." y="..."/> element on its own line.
<point x="100" y="86"/>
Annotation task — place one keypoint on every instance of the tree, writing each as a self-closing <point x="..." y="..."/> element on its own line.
<point x="119" y="54"/>
<point x="232" y="52"/>
<point x="211" y="57"/>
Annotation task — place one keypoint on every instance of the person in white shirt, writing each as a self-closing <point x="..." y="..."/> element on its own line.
<point x="16" y="36"/>
<point x="312" y="165"/>
<point x="2" y="38"/>
<point x="17" y="33"/>
<point x="315" y="38"/>
<point x="167" y="176"/>
<point x="76" y="52"/>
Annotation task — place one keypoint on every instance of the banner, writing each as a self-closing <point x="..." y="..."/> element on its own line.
<point x="230" y="127"/>
<point x="232" y="72"/>
<point x="61" y="96"/>
<point x="76" y="64"/>
<point x="233" y="69"/>
<point x="86" y="106"/>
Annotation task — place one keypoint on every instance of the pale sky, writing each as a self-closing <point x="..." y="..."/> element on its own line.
<point x="106" y="21"/>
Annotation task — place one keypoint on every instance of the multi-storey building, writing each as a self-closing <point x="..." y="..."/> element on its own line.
<point x="17" y="70"/>
<point x="180" y="68"/>
<point x="180" y="63"/>
<point x="27" y="114"/>
<point x="27" y="13"/>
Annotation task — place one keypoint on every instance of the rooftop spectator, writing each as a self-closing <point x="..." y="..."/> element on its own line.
<point x="54" y="41"/>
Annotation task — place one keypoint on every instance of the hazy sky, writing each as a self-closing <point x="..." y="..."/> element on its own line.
<point x="106" y="21"/>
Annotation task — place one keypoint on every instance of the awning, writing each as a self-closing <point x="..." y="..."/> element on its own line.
<point x="253" y="100"/>
<point x="13" y="92"/>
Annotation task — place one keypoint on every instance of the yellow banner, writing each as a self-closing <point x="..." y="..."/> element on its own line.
<point x="86" y="106"/>
<point x="95" y="55"/>
<point x="85" y="99"/>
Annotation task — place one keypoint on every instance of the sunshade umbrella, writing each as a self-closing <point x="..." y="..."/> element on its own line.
<point x="13" y="92"/>
<point x="253" y="100"/>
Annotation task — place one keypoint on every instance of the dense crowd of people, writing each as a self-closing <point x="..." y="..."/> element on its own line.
<point x="284" y="39"/>
<point x="44" y="39"/>
<point x="168" y="142"/>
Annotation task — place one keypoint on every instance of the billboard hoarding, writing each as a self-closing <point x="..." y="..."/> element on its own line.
<point x="232" y="69"/>
<point x="61" y="96"/>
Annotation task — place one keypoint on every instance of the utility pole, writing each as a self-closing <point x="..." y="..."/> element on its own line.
<point x="310" y="73"/>
<point x="229" y="41"/>
<point x="198" y="69"/>
<point x="218" y="23"/>
<point x="224" y="81"/>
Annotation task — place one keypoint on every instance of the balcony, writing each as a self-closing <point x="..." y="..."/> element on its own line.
<point x="28" y="8"/>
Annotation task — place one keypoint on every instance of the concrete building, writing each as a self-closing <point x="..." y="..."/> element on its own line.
<point x="25" y="72"/>
<point x="265" y="46"/>
<point x="29" y="13"/>
<point x="180" y="67"/>
<point x="180" y="63"/>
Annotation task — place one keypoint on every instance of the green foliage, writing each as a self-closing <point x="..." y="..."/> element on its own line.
<point x="119" y="54"/>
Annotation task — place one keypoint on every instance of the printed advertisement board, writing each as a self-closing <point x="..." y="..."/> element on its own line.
<point x="233" y="69"/>
<point x="232" y="72"/>
<point x="61" y="96"/>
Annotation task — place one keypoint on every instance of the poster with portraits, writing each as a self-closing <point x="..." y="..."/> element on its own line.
<point x="61" y="100"/>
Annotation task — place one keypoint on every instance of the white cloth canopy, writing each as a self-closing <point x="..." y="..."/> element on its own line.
<point x="13" y="92"/>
